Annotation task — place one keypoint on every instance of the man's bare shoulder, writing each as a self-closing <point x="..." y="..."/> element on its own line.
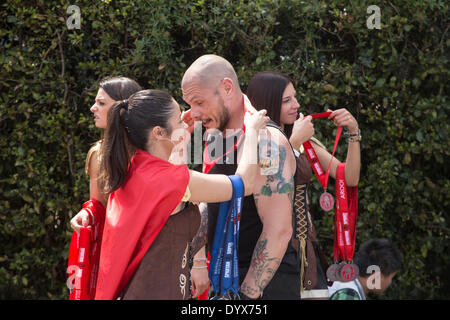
<point x="275" y="148"/>
<point x="277" y="168"/>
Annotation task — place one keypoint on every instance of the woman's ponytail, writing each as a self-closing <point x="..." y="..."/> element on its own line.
<point x="116" y="151"/>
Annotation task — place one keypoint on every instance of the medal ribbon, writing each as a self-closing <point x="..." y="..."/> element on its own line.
<point x="223" y="271"/>
<point x="84" y="253"/>
<point x="346" y="199"/>
<point x="345" y="217"/>
<point x="312" y="156"/>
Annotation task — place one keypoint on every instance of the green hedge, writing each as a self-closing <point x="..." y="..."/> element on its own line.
<point x="394" y="80"/>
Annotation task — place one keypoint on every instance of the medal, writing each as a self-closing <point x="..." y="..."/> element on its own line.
<point x="346" y="211"/>
<point x="332" y="272"/>
<point x="348" y="272"/>
<point x="326" y="201"/>
<point x="344" y="229"/>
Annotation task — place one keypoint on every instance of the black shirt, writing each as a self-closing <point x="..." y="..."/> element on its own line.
<point x="250" y="223"/>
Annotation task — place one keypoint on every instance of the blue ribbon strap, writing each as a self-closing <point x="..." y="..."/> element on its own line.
<point x="223" y="271"/>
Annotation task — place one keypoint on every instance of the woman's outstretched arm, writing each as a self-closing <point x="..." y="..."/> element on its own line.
<point x="218" y="187"/>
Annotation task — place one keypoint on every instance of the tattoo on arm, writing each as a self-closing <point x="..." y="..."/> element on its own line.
<point x="248" y="290"/>
<point x="262" y="267"/>
<point x="200" y="238"/>
<point x="275" y="182"/>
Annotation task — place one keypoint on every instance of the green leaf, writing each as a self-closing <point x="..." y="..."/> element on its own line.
<point x="380" y="83"/>
<point x="11" y="19"/>
<point x="419" y="136"/>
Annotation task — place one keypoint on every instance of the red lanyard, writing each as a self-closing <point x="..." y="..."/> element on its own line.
<point x="345" y="220"/>
<point x="346" y="204"/>
<point x="208" y="163"/>
<point x="326" y="199"/>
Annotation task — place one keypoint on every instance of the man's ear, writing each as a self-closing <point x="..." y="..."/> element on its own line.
<point x="228" y="86"/>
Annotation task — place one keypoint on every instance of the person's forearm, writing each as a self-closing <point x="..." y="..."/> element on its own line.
<point x="200" y="239"/>
<point x="295" y="142"/>
<point x="353" y="164"/>
<point x="266" y="259"/>
<point x="247" y="168"/>
<point x="199" y="259"/>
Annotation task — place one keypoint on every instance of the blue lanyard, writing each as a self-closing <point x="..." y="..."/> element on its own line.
<point x="223" y="271"/>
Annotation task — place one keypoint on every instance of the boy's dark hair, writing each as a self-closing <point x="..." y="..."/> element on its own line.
<point x="380" y="252"/>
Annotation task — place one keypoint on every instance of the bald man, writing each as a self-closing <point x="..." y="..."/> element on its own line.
<point x="268" y="265"/>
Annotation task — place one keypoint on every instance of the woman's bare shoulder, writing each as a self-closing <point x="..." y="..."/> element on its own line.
<point x="92" y="155"/>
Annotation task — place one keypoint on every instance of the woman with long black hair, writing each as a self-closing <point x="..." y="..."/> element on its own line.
<point x="110" y="91"/>
<point x="275" y="92"/>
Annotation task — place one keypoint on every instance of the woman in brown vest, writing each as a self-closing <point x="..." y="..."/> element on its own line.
<point x="275" y="92"/>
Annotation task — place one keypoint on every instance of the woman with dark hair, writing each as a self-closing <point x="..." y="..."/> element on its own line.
<point x="147" y="233"/>
<point x="275" y="92"/>
<point x="92" y="213"/>
<point x="110" y="91"/>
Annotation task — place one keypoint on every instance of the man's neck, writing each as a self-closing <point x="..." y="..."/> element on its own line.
<point x="236" y="114"/>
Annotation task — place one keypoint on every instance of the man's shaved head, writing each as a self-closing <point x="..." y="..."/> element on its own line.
<point x="210" y="86"/>
<point x="209" y="70"/>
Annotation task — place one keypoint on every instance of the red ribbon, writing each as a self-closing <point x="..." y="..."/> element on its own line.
<point x="346" y="208"/>
<point x="314" y="160"/>
<point x="346" y="212"/>
<point x="84" y="253"/>
<point x="208" y="163"/>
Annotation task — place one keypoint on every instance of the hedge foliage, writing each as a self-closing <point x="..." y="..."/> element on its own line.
<point x="393" y="79"/>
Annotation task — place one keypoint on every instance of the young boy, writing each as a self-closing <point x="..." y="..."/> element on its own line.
<point x="379" y="255"/>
